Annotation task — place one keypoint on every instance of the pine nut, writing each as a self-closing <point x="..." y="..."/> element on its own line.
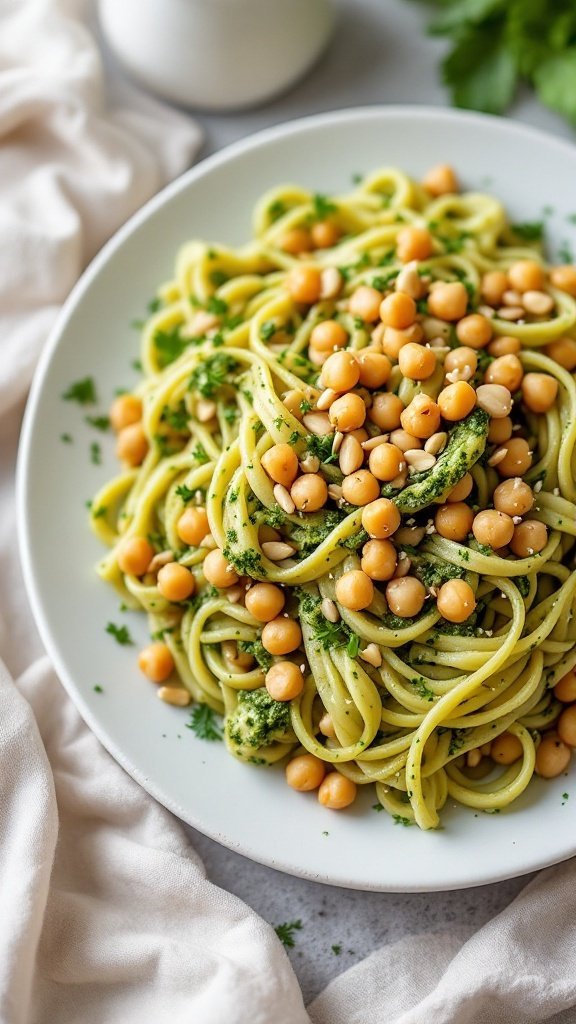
<point x="372" y="655"/>
<point x="498" y="456"/>
<point x="511" y="312"/>
<point x="335" y="492"/>
<point x="473" y="758"/>
<point x="409" y="281"/>
<point x="436" y="443"/>
<point x="434" y="328"/>
<point x="495" y="399"/>
<point x="318" y="423"/>
<point x="176" y="695"/>
<point x="376" y="338"/>
<point x="283" y="498"/>
<point x="487" y="311"/>
<point x="208" y="542"/>
<point x="537" y="303"/>
<point x="160" y="559"/>
<point x="373" y="442"/>
<point x="234" y="594"/>
<point x="338" y="438"/>
<point x="399" y="480"/>
<point x="331" y="282"/>
<point x="277" y="550"/>
<point x="311" y="464"/>
<point x="329" y="610"/>
<point x="403" y="440"/>
<point x="205" y="410"/>
<point x="403" y="567"/>
<point x="351" y="455"/>
<point x="410" y="535"/>
<point x="419" y="460"/>
<point x="460" y="373"/>
<point x="326" y="398"/>
<point x="512" y="298"/>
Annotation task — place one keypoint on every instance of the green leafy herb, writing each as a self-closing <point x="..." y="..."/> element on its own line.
<point x="321" y="446"/>
<point x="120" y="633"/>
<point x="155" y="304"/>
<point x="285" y="932"/>
<point x="353" y="645"/>
<point x="421" y="689"/>
<point x="82" y="391"/>
<point x="95" y="454"/>
<point x="529" y="231"/>
<point x="498" y="44"/>
<point x="457" y="740"/>
<point x="268" y="329"/>
<point x="378" y="807"/>
<point x="276" y="209"/>
<point x="98" y="422"/>
<point x="176" y="418"/>
<point x="66" y="438"/>
<point x="218" y="277"/>
<point x="337" y="949"/>
<point x="212" y="373"/>
<point x="216" y="306"/>
<point x="185" y="493"/>
<point x="169" y="345"/>
<point x="200" y="455"/>
<point x="399" y="820"/>
<point x="204" y="724"/>
<point x="323" y="207"/>
<point x="99" y="512"/>
<point x="98" y="688"/>
<point x="258" y="651"/>
<point x="305" y="406"/>
<point x="136" y="364"/>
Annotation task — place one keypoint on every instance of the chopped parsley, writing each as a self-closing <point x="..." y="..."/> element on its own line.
<point x="217" y="306"/>
<point x="457" y="740"/>
<point x="66" y="438"/>
<point x="176" y="418"/>
<point x="98" y="422"/>
<point x="399" y="820"/>
<point x="204" y="724"/>
<point x="218" y="277"/>
<point x="285" y="932"/>
<point x="268" y="329"/>
<point x="336" y="949"/>
<point x="185" y="493"/>
<point x="95" y="454"/>
<point x="258" y="651"/>
<point x="82" y="391"/>
<point x="378" y="807"/>
<point x="98" y="688"/>
<point x="212" y="373"/>
<point x="169" y="345"/>
<point x="529" y="231"/>
<point x="421" y="689"/>
<point x="99" y="512"/>
<point x="321" y="446"/>
<point x="246" y="563"/>
<point x="276" y="209"/>
<point x="121" y="634"/>
<point x="200" y="455"/>
<point x="323" y="206"/>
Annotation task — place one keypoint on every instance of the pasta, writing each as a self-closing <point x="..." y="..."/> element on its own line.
<point x="348" y="501"/>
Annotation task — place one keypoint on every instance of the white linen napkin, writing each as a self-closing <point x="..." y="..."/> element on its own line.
<point x="106" y="915"/>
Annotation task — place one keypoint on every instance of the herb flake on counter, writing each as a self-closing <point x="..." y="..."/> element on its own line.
<point x="98" y="688"/>
<point x="66" y="438"/>
<point x="95" y="454"/>
<point x="82" y="391"/>
<point x="336" y="949"/>
<point x="98" y="422"/>
<point x="121" y="634"/>
<point x="203" y="723"/>
<point x="285" y="932"/>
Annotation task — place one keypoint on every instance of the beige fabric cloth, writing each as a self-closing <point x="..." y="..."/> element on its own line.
<point x="106" y="915"/>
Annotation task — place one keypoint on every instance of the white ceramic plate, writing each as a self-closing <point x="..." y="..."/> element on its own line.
<point x="252" y="810"/>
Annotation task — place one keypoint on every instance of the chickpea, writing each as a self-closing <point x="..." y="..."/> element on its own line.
<point x="304" y="284"/>
<point x="513" y="497"/>
<point x="416" y="361"/>
<point x="386" y="411"/>
<point x="218" y="571"/>
<point x="404" y="441"/>
<point x="337" y="792"/>
<point x="474" y="330"/>
<point x="539" y="391"/>
<point x="405" y="596"/>
<point x="564" y="278"/>
<point x="156" y="662"/>
<point x="493" y="286"/>
<point x="309" y="492"/>
<point x="552" y="757"/>
<point x="463" y="359"/>
<point x="293" y="401"/>
<point x="124" y="411"/>
<point x="506" y="748"/>
<point x="457" y="400"/>
<point x="281" y="464"/>
<point x="448" y="301"/>
<point x="379" y="559"/>
<point x="386" y="461"/>
<point x="529" y="538"/>
<point x="375" y="369"/>
<point x="398" y="310"/>
<point x="193" y="526"/>
<point x="326" y="725"/>
<point x="500" y="430"/>
<point x="381" y="518"/>
<point x="134" y="555"/>
<point x="505" y="370"/>
<point x="281" y="635"/>
<point x="565" y="689"/>
<point x="563" y="352"/>
<point x="325" y="234"/>
<point x="526" y="276"/>
<point x="132" y="444"/>
<point x="456" y="601"/>
<point x="504" y="346"/>
<point x="440" y="180"/>
<point x="393" y="340"/>
<point x="462" y="489"/>
<point x="517" y="460"/>
<point x="347" y="413"/>
<point x="340" y="372"/>
<point x="328" y="336"/>
<point x="421" y="417"/>
<point x="305" y="772"/>
<point x="295" y="241"/>
<point x="175" y="582"/>
<point x="284" y="681"/>
<point x="495" y="529"/>
<point x="414" y="243"/>
<point x="566" y="726"/>
<point x="365" y="303"/>
<point x="360" y="488"/>
<point x="264" y="601"/>
<point x="454" y="521"/>
<point x="354" y="590"/>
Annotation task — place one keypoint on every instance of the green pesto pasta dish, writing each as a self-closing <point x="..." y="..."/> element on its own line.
<point x="347" y="500"/>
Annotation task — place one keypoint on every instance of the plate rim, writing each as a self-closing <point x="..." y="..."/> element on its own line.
<point x="113" y="244"/>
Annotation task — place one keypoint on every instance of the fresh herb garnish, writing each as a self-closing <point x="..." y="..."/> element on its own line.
<point x="169" y="345"/>
<point x="529" y="231"/>
<point x="82" y="391"/>
<point x="66" y="438"/>
<point x="323" y="206"/>
<point x="336" y="949"/>
<point x="399" y="820"/>
<point x="121" y="634"/>
<point x="285" y="932"/>
<point x="185" y="493"/>
<point x="211" y="374"/>
<point x="268" y="329"/>
<point x="204" y="724"/>
<point x="216" y="306"/>
<point x="98" y="422"/>
<point x="95" y="454"/>
<point x="98" y="688"/>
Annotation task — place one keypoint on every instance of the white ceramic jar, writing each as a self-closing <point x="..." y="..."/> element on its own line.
<point x="217" y="54"/>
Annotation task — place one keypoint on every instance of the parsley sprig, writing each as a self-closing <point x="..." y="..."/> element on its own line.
<point x="285" y="932"/>
<point x="203" y="722"/>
